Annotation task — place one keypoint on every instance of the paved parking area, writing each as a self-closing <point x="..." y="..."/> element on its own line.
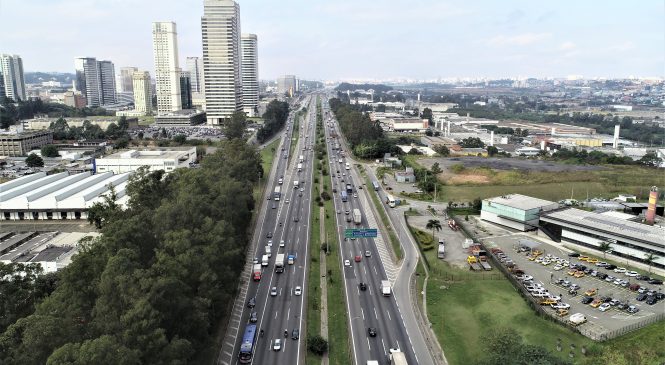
<point x="612" y="319"/>
<point x="456" y="254"/>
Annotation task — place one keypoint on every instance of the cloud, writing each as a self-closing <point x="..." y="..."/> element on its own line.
<point x="518" y="40"/>
<point x="567" y="46"/>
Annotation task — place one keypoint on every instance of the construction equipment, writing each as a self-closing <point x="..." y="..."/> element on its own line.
<point x="473" y="263"/>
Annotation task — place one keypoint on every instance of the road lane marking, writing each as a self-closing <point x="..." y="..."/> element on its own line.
<point x="376" y="314"/>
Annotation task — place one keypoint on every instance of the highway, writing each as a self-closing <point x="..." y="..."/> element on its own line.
<point x="288" y="220"/>
<point x="366" y="308"/>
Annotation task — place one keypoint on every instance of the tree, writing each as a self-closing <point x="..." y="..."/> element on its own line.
<point x="605" y="246"/>
<point x="472" y="142"/>
<point x="235" y="127"/>
<point x="414" y="151"/>
<point x="650" y="258"/>
<point x="491" y="151"/>
<point x="442" y="150"/>
<point x="34" y="161"/>
<point x="477" y="204"/>
<point x="180" y="139"/>
<point x="427" y="114"/>
<point x="651" y="160"/>
<point x="50" y="151"/>
<point x="317" y="344"/>
<point x="433" y="224"/>
<point x="436" y="169"/>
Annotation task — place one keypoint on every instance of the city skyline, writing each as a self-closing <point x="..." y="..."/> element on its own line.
<point x="348" y="40"/>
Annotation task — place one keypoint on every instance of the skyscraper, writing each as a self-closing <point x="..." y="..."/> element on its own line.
<point x="286" y="85"/>
<point x="107" y="82"/>
<point x="185" y="90"/>
<point x="125" y="82"/>
<point x="142" y="91"/>
<point x="250" y="73"/>
<point x="167" y="72"/>
<point x="220" y="27"/>
<point x="195" y="68"/>
<point x="11" y="72"/>
<point x="88" y="80"/>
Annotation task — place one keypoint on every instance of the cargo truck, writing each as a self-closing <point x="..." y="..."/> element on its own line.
<point x="256" y="272"/>
<point x="385" y="288"/>
<point x="398" y="358"/>
<point x="278" y="192"/>
<point x="279" y="263"/>
<point x="268" y="251"/>
<point x="299" y="167"/>
<point x="357" y="216"/>
<point x="301" y="159"/>
<point x="442" y="250"/>
<point x="296" y="184"/>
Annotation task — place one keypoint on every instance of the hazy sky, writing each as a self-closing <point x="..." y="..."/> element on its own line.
<point x="353" y="39"/>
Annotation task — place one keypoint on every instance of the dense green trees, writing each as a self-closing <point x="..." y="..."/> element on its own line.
<point x="29" y="108"/>
<point x="506" y="346"/>
<point x="62" y="130"/>
<point x="50" y="151"/>
<point x="581" y="156"/>
<point x="235" y="128"/>
<point x="472" y="142"/>
<point x="274" y="118"/>
<point x="34" y="161"/>
<point x="152" y="288"/>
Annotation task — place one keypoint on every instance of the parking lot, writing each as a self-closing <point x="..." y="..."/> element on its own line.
<point x="598" y="321"/>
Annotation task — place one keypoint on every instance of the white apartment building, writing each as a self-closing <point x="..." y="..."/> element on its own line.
<point x="250" y="74"/>
<point x="220" y="28"/>
<point x="142" y="92"/>
<point x="167" y="71"/>
<point x="125" y="82"/>
<point x="11" y="75"/>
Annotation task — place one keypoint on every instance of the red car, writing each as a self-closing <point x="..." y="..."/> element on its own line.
<point x="358" y="258"/>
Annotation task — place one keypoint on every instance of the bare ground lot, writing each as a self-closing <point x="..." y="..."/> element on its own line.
<point x="499" y="163"/>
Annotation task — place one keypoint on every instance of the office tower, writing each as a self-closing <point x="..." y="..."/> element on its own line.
<point x="88" y="80"/>
<point x="185" y="90"/>
<point x="250" y="73"/>
<point x="11" y="72"/>
<point x="126" y="81"/>
<point x="195" y="69"/>
<point x="107" y="80"/>
<point x="220" y="28"/>
<point x="142" y="91"/>
<point x="167" y="72"/>
<point x="286" y="85"/>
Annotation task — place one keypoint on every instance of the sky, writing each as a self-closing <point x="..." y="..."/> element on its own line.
<point x="360" y="39"/>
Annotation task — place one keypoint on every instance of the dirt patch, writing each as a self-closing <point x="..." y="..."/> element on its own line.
<point x="468" y="179"/>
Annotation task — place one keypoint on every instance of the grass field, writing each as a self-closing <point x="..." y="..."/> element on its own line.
<point x="462" y="305"/>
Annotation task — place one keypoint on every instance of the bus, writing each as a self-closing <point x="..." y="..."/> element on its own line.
<point x="278" y="192"/>
<point x="345" y="196"/>
<point x="391" y="201"/>
<point x="247" y="345"/>
<point x="376" y="185"/>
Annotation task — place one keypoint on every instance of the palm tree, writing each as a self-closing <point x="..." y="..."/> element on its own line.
<point x="605" y="246"/>
<point x="650" y="258"/>
<point x="433" y="224"/>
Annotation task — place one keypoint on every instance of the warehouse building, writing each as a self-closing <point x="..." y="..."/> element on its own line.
<point x="51" y="250"/>
<point x="628" y="239"/>
<point x="515" y="211"/>
<point x="58" y="196"/>
<point x="155" y="159"/>
<point x="20" y="144"/>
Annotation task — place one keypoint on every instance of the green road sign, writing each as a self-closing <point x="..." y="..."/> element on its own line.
<point x="361" y="233"/>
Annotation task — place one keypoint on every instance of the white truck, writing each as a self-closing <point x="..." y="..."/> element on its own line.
<point x="296" y="184"/>
<point x="268" y="251"/>
<point x="385" y="288"/>
<point x="372" y="362"/>
<point x="264" y="260"/>
<point x="398" y="358"/>
<point x="299" y="167"/>
<point x="279" y="263"/>
<point x="357" y="216"/>
<point x="442" y="250"/>
<point x="301" y="159"/>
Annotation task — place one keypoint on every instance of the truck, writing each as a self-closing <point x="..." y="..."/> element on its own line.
<point x="577" y="319"/>
<point x="299" y="167"/>
<point x="291" y="259"/>
<point x="264" y="260"/>
<point x="473" y="263"/>
<point x="357" y="216"/>
<point x="385" y="288"/>
<point x="278" y="192"/>
<point x="256" y="272"/>
<point x="268" y="251"/>
<point x="279" y="263"/>
<point x="398" y="358"/>
<point x="344" y="196"/>
<point x="349" y="188"/>
<point x="301" y="159"/>
<point x="296" y="184"/>
<point x="442" y="250"/>
<point x="372" y="362"/>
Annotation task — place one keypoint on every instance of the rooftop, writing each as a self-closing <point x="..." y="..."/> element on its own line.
<point x="147" y="154"/>
<point x="520" y="201"/>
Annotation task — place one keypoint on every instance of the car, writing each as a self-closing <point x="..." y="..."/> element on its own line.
<point x="632" y="309"/>
<point x="622" y="306"/>
<point x="660" y="296"/>
<point x="565" y="283"/>
<point x="339" y="211"/>
<point x="368" y="254"/>
<point x="641" y="297"/>
<point x="596" y="303"/>
<point x="302" y="190"/>
<point x="524" y="277"/>
<point x="583" y="258"/>
<point x="358" y="258"/>
<point x="253" y="318"/>
<point x="606" y="299"/>
<point x="277" y="345"/>
<point x="295" y="334"/>
<point x="575" y="287"/>
<point x="547" y="301"/>
<point x="557" y="267"/>
<point x="634" y="287"/>
<point x="631" y="274"/>
<point x="579" y="274"/>
<point x="251" y="303"/>
<point x="609" y="278"/>
<point x="610" y="267"/>
<point x="300" y="194"/>
<point x="274" y="206"/>
<point x="273" y="291"/>
<point x="282" y="243"/>
<point x="655" y="282"/>
<point x="287" y="201"/>
<point x="643" y="289"/>
<point x="572" y="272"/>
<point x="269" y="235"/>
<point x="651" y="300"/>
<point x="614" y="302"/>
<point x="586" y="300"/>
<point x="347" y="212"/>
<point x="601" y="264"/>
<point x="603" y="307"/>
<point x="269" y="197"/>
<point x="270" y="243"/>
<point x="560" y="306"/>
<point x="555" y="298"/>
<point x="592" y="260"/>
<point x="255" y="260"/>
<point x="347" y="263"/>
<point x="371" y="331"/>
<point x="617" y="282"/>
<point x="642" y="278"/>
<point x="363" y="286"/>
<point x="573" y="254"/>
<point x="590" y="292"/>
<point x="541" y="294"/>
<point x="601" y="276"/>
<point x="562" y="312"/>
<point x="594" y="273"/>
<point x="355" y="195"/>
<point x="620" y="270"/>
<point x="298" y="291"/>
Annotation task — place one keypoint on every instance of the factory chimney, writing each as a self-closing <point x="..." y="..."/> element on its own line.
<point x="651" y="209"/>
<point x="542" y="145"/>
<point x="449" y="128"/>
<point x="615" y="144"/>
<point x="492" y="138"/>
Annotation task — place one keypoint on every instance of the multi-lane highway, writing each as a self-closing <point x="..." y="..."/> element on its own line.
<point x="283" y="225"/>
<point x="367" y="307"/>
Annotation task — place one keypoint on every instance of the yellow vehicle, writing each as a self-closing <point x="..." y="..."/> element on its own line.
<point x="472" y="259"/>
<point x="572" y="272"/>
<point x="562" y="312"/>
<point x="536" y="252"/>
<point x="590" y="293"/>
<point x="596" y="303"/>
<point x="547" y="301"/>
<point x="579" y="274"/>
<point x="592" y="260"/>
<point x="531" y="258"/>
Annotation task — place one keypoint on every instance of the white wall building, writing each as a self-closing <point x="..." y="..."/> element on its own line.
<point x="132" y="160"/>
<point x="220" y="28"/>
<point x="142" y="92"/>
<point x="125" y="83"/>
<point x="11" y="73"/>
<point x="167" y="71"/>
<point x="250" y="74"/>
<point x="515" y="211"/>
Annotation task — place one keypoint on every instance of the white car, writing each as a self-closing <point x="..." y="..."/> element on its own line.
<point x="277" y="345"/>
<point x="355" y="195"/>
<point x="270" y="243"/>
<point x="302" y="189"/>
<point x="620" y="270"/>
<point x="281" y="243"/>
<point x="273" y="291"/>
<point x="605" y="306"/>
<point x="347" y="263"/>
<point x="560" y="306"/>
<point x="632" y="274"/>
<point x="555" y="298"/>
<point x="541" y="294"/>
<point x="286" y="201"/>
<point x="558" y="267"/>
<point x="525" y="277"/>
<point x="298" y="290"/>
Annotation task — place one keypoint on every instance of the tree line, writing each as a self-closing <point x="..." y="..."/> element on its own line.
<point x="11" y="112"/>
<point x="154" y="286"/>
<point x="582" y="156"/>
<point x="63" y="131"/>
<point x="274" y="118"/>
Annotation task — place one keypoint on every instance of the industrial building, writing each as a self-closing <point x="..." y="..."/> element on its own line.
<point x="181" y="118"/>
<point x="155" y="159"/>
<point x="58" y="196"/>
<point x="51" y="250"/>
<point x="627" y="238"/>
<point x="19" y="144"/>
<point x="516" y="211"/>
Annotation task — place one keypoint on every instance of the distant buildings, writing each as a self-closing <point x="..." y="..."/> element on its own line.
<point x="157" y="159"/>
<point x="286" y="85"/>
<point x="181" y="118"/>
<point x="74" y="100"/>
<point x="20" y="144"/>
<point x="195" y="67"/>
<point x="125" y="82"/>
<point x="167" y="72"/>
<point x="12" y="80"/>
<point x="142" y="92"/>
<point x="250" y="74"/>
<point x="220" y="27"/>
<point x="43" y="123"/>
<point x="185" y="90"/>
<point x="516" y="211"/>
<point x="107" y="79"/>
<point x="95" y="80"/>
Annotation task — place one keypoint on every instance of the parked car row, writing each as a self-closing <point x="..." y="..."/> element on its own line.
<point x="604" y="304"/>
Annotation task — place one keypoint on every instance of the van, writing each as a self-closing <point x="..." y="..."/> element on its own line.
<point x="268" y="251"/>
<point x="264" y="260"/>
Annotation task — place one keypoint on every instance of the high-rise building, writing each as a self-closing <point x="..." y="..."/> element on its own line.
<point x="286" y="85"/>
<point x="220" y="28"/>
<point x="142" y="91"/>
<point x="11" y="72"/>
<point x="126" y="81"/>
<point x="195" y="69"/>
<point x="88" y="80"/>
<point x="107" y="79"/>
<point x="250" y="74"/>
<point x="167" y="71"/>
<point x="185" y="90"/>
